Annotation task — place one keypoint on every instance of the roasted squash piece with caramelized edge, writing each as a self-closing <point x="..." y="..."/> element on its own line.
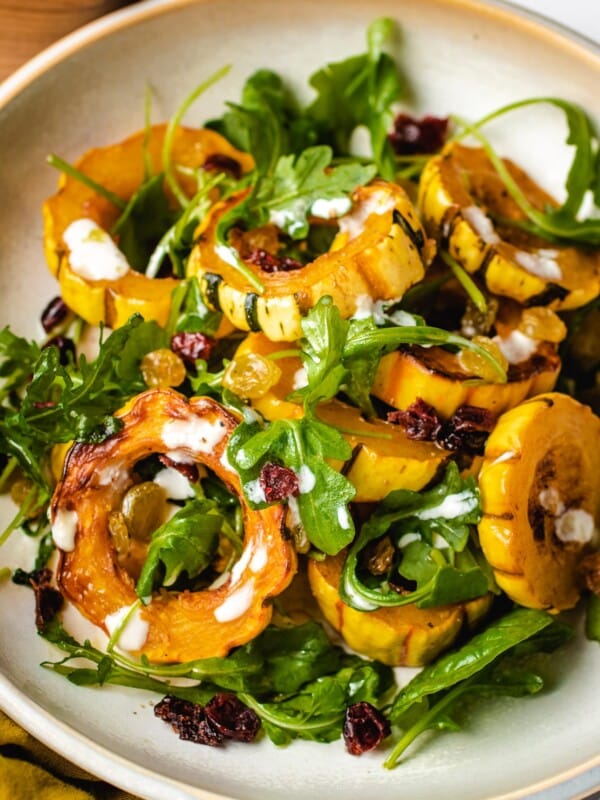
<point x="120" y="169"/>
<point x="405" y="636"/>
<point x="540" y="494"/>
<point x="383" y="458"/>
<point x="380" y="251"/>
<point x="181" y="626"/>
<point x="460" y="196"/>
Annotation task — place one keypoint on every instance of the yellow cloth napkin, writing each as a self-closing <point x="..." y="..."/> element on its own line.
<point x="31" y="771"/>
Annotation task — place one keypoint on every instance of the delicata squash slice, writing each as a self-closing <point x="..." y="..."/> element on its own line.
<point x="460" y="199"/>
<point x="405" y="636"/>
<point x="383" y="458"/>
<point x="540" y="494"/>
<point x="380" y="251"/>
<point x="120" y="169"/>
<point x="177" y="626"/>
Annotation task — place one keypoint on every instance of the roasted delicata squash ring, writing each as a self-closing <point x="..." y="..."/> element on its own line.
<point x="383" y="458"/>
<point x="436" y="376"/>
<point x="180" y="626"/>
<point x="460" y="193"/>
<point x="120" y="169"/>
<point x="405" y="636"/>
<point x="380" y="252"/>
<point x="540" y="493"/>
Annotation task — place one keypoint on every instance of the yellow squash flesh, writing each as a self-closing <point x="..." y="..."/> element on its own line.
<point x="460" y="193"/>
<point x="542" y="461"/>
<point x="404" y="636"/>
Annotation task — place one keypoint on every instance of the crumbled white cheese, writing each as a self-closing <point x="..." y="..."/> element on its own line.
<point x="550" y="500"/>
<point x="331" y="209"/>
<point x="306" y="479"/>
<point x="543" y="264"/>
<point x="92" y="253"/>
<point x="481" y="224"/>
<point x="134" y="632"/>
<point x="198" y="435"/>
<point x="516" y="347"/>
<point x="175" y="484"/>
<point x="353" y="224"/>
<point x="575" y="525"/>
<point x="236" y="604"/>
<point x="452" y="506"/>
<point x="300" y="379"/>
<point x="64" y="528"/>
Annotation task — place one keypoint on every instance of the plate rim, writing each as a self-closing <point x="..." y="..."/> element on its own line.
<point x="61" y="737"/>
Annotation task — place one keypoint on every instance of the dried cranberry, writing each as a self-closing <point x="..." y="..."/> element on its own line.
<point x="190" y="471"/>
<point x="54" y="313"/>
<point x="218" y="162"/>
<point x="270" y="263"/>
<point x="48" y="600"/>
<point x="231" y="718"/>
<point x="467" y="429"/>
<point x="278" y="482"/>
<point x="412" y="135"/>
<point x="66" y="349"/>
<point x="420" y="421"/>
<point x="365" y="728"/>
<point x="192" y="346"/>
<point x="188" y="720"/>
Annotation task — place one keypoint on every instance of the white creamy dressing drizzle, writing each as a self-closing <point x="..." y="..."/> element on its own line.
<point x="516" y="347"/>
<point x="439" y="542"/>
<point x="550" y="500"/>
<point x="576" y="525"/>
<point x="344" y="518"/>
<point x="357" y="600"/>
<point x="64" y="528"/>
<point x="452" y="506"/>
<point x="306" y="479"/>
<point x="259" y="560"/>
<point x="353" y="224"/>
<point x="367" y="307"/>
<point x="542" y="264"/>
<point x="134" y="633"/>
<point x="507" y="456"/>
<point x="331" y="209"/>
<point x="236" y="603"/>
<point x="92" y="253"/>
<point x="226" y="254"/>
<point x="481" y="224"/>
<point x="408" y="538"/>
<point x="255" y="492"/>
<point x="197" y="434"/>
<point x="112" y="475"/>
<point x="175" y="484"/>
<point x="290" y="219"/>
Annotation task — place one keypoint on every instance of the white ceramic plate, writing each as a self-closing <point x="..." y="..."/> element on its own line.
<point x="460" y="56"/>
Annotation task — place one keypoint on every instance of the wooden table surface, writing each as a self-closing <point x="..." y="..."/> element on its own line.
<point x="27" y="26"/>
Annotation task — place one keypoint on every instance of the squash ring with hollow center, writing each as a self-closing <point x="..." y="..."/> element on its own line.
<point x="181" y="626"/>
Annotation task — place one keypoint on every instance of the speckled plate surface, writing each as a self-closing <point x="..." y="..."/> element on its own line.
<point x="460" y="56"/>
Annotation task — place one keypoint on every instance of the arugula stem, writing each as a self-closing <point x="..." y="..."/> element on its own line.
<point x="292" y="725"/>
<point x="29" y="503"/>
<point x="7" y="471"/>
<point x="59" y="163"/>
<point x="465" y="280"/>
<point x="425" y="722"/>
<point x="291" y="353"/>
<point x="172" y="129"/>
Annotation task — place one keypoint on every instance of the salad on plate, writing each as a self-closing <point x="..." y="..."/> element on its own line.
<point x="308" y="411"/>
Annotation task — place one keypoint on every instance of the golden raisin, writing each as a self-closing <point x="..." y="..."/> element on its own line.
<point x="119" y="533"/>
<point x="476" y="365"/>
<point x="542" y="323"/>
<point x="144" y="507"/>
<point x="251" y="375"/>
<point x="162" y="368"/>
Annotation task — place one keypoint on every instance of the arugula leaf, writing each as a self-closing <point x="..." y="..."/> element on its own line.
<point x="143" y="222"/>
<point x="360" y="91"/>
<point x="431" y="534"/>
<point x="189" y="312"/>
<point x="490" y="664"/>
<point x="267" y="123"/>
<point x="17" y="360"/>
<point x="77" y="401"/>
<point x="187" y="542"/>
<point x="303" y="445"/>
